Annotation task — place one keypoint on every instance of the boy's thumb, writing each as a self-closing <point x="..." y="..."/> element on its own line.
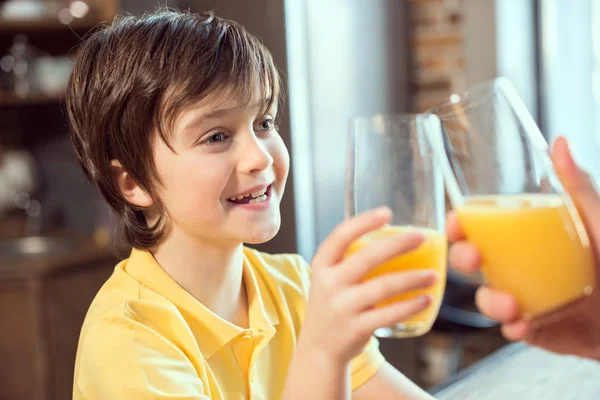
<point x="580" y="187"/>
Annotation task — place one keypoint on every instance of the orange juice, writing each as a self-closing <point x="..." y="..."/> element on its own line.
<point x="533" y="246"/>
<point x="430" y="255"/>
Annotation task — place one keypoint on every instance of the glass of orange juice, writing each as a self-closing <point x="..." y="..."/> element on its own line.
<point x="509" y="201"/>
<point x="390" y="162"/>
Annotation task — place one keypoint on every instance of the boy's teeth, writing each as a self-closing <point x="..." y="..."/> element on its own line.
<point x="259" y="193"/>
<point x="258" y="199"/>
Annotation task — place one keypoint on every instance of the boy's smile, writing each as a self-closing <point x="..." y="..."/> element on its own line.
<point x="255" y="198"/>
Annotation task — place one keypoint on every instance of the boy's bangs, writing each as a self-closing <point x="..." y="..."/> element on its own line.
<point x="238" y="65"/>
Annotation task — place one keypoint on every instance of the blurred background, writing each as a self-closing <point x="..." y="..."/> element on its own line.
<point x="339" y="58"/>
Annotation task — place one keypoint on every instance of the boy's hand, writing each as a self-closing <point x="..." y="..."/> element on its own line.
<point x="340" y="316"/>
<point x="576" y="328"/>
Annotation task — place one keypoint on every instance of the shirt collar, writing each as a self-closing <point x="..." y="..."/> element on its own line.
<point x="212" y="332"/>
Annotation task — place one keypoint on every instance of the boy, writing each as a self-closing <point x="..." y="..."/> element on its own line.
<point x="172" y="117"/>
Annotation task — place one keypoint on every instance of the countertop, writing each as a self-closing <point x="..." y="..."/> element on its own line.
<point x="522" y="372"/>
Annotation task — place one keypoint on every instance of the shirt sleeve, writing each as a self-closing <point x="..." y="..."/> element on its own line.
<point x="367" y="363"/>
<point x="123" y="359"/>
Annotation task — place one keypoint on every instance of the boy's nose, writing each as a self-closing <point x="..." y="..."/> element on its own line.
<point x="254" y="156"/>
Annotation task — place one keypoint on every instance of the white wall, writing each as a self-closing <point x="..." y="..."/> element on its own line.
<point x="351" y="60"/>
<point x="571" y="51"/>
<point x="516" y="48"/>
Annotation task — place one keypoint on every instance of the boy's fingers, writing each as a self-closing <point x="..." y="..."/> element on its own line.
<point x="464" y="257"/>
<point x="383" y="317"/>
<point x="335" y="245"/>
<point x="384" y="287"/>
<point x="515" y="331"/>
<point x="497" y="305"/>
<point x="453" y="229"/>
<point x="355" y="267"/>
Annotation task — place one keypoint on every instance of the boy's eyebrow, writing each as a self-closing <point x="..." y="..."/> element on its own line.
<point x="224" y="111"/>
<point x="219" y="113"/>
<point x="215" y="114"/>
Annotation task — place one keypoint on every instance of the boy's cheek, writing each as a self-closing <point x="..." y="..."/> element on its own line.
<point x="281" y="159"/>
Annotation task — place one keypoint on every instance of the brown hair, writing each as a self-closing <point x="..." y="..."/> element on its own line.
<point x="133" y="78"/>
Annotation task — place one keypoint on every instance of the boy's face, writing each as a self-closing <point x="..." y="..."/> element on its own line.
<point x="225" y="180"/>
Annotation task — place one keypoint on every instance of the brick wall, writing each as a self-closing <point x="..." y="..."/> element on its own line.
<point x="437" y="45"/>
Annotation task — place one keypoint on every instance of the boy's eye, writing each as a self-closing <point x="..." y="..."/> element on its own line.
<point x="216" y="138"/>
<point x="265" y="125"/>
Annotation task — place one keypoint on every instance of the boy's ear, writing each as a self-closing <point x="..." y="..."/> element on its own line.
<point x="131" y="191"/>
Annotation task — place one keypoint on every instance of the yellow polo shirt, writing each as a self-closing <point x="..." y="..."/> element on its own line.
<point x="145" y="337"/>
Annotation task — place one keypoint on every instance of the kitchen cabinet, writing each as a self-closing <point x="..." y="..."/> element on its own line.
<point x="43" y="303"/>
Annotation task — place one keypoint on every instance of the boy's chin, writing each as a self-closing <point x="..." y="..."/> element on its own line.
<point x="264" y="236"/>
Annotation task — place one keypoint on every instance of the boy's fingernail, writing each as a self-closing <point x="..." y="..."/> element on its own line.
<point x="432" y="274"/>
<point x="426" y="299"/>
<point x="383" y="211"/>
<point x="416" y="236"/>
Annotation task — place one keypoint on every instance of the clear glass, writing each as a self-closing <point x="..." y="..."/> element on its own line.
<point x="390" y="162"/>
<point x="509" y="201"/>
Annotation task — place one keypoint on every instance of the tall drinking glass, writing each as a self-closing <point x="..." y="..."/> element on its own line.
<point x="509" y="200"/>
<point x="391" y="163"/>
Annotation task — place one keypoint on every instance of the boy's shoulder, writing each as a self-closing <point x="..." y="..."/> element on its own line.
<point x="124" y="298"/>
<point x="280" y="269"/>
<point x="114" y="296"/>
<point x="126" y="324"/>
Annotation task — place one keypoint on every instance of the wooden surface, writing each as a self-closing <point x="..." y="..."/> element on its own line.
<point x="39" y="267"/>
<point x="521" y="372"/>
<point x="42" y="307"/>
<point x="18" y="342"/>
<point x="67" y="299"/>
